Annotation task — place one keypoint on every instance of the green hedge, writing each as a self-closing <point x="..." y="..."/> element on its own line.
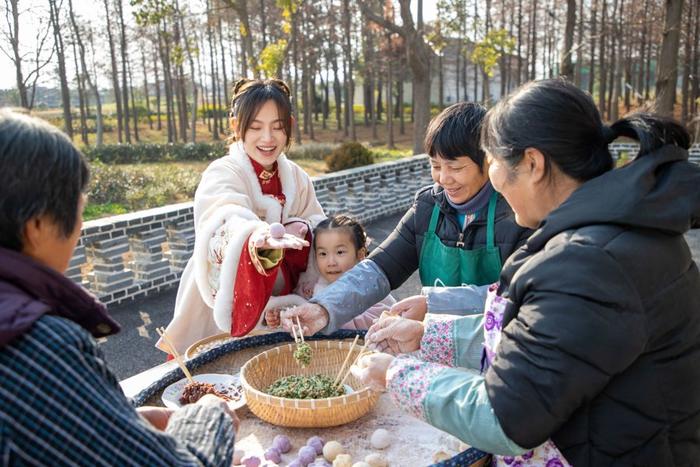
<point x="347" y="156"/>
<point x="141" y="187"/>
<point x="150" y="152"/>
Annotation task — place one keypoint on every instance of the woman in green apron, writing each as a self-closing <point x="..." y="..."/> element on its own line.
<point x="457" y="234"/>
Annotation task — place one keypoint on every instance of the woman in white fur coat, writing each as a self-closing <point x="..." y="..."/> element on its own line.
<point x="238" y="268"/>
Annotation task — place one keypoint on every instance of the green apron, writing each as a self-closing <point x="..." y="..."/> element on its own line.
<point x="453" y="266"/>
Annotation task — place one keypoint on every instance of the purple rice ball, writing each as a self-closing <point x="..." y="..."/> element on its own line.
<point x="282" y="444"/>
<point x="273" y="455"/>
<point x="251" y="461"/>
<point x="307" y="455"/>
<point x="317" y="443"/>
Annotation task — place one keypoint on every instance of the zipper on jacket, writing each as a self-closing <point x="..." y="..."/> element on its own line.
<point x="460" y="242"/>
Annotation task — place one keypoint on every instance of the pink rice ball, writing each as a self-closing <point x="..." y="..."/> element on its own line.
<point x="277" y="230"/>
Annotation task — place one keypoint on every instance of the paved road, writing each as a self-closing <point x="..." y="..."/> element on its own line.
<point x="132" y="350"/>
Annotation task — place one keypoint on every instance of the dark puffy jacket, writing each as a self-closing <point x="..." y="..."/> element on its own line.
<point x="600" y="349"/>
<point x="399" y="253"/>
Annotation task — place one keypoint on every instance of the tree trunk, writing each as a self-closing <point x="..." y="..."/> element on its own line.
<point x="389" y="108"/>
<point x="223" y="61"/>
<point x="134" y="110"/>
<point x="115" y="74"/>
<point x="157" y="85"/>
<point x="295" y="85"/>
<point x="566" y="67"/>
<point x="687" y="62"/>
<point x="602" y="88"/>
<point x="190" y="59"/>
<point x="263" y="25"/>
<point x="519" y="79"/>
<point x="594" y="37"/>
<point x="212" y="61"/>
<point x="695" y="96"/>
<point x="81" y="95"/>
<point x="180" y="82"/>
<point x="99" y="118"/>
<point x="402" y="119"/>
<point x="350" y="82"/>
<point x="241" y="8"/>
<point x="441" y="83"/>
<point x="667" y="72"/>
<point x="125" y="87"/>
<point x="145" y="87"/>
<point x="533" y="62"/>
<point x="579" y="45"/>
<point x="86" y="77"/>
<point x="614" y="59"/>
<point x="17" y="57"/>
<point x="642" y="55"/>
<point x="60" y="54"/>
<point x="337" y="92"/>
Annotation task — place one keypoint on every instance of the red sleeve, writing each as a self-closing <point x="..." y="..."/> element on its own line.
<point x="251" y="292"/>
<point x="293" y="264"/>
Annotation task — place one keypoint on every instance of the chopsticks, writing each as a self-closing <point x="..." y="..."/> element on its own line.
<point x="174" y="353"/>
<point x="363" y="351"/>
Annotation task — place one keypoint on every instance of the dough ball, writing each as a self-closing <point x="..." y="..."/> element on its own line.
<point x="317" y="443"/>
<point x="321" y="462"/>
<point x="282" y="444"/>
<point x="343" y="460"/>
<point x="380" y="439"/>
<point x="376" y="460"/>
<point x="276" y="230"/>
<point x="307" y="454"/>
<point x="252" y="461"/>
<point x="331" y="450"/>
<point x="273" y="455"/>
<point x="439" y="456"/>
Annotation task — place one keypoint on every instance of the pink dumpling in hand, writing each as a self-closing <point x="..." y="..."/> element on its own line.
<point x="277" y="230"/>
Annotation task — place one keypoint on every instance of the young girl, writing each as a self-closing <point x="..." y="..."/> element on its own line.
<point x="236" y="265"/>
<point x="339" y="244"/>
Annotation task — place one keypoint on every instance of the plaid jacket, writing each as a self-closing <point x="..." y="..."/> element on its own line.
<point x="61" y="406"/>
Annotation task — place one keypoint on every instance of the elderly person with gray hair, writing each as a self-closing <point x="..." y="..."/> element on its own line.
<point x="61" y="405"/>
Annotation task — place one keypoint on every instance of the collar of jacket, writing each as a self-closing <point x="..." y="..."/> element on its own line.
<point x="440" y="198"/>
<point x="28" y="290"/>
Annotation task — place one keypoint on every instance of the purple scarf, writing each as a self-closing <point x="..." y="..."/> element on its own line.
<point x="477" y="202"/>
<point x="28" y="290"/>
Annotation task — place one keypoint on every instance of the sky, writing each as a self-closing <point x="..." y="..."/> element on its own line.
<point x="29" y="24"/>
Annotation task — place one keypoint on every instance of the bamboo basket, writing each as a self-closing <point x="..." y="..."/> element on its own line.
<point x="264" y="369"/>
<point x="195" y="349"/>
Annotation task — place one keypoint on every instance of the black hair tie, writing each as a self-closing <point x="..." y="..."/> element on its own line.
<point x="609" y="135"/>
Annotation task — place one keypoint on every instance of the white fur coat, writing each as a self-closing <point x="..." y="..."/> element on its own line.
<point x="228" y="206"/>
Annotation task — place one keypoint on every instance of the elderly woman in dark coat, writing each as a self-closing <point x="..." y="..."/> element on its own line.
<point x="592" y="338"/>
<point x="61" y="405"/>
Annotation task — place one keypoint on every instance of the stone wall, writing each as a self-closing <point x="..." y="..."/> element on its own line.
<point x="133" y="255"/>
